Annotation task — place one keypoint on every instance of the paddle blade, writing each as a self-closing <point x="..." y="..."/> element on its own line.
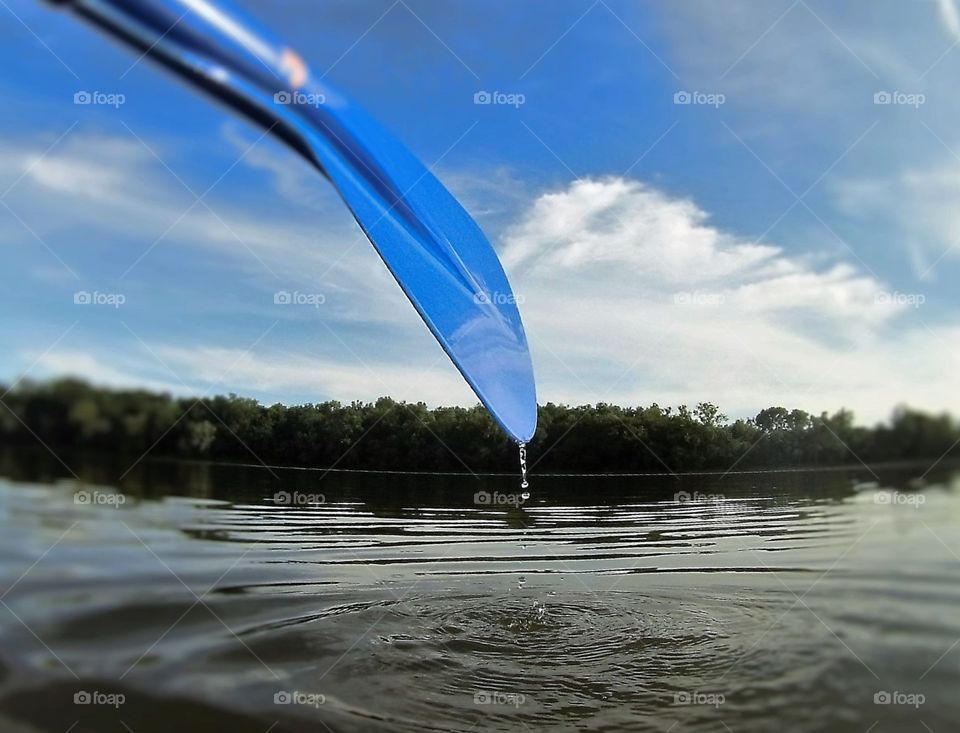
<point x="434" y="249"/>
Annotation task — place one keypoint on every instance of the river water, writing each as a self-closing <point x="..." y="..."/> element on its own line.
<point x="193" y="597"/>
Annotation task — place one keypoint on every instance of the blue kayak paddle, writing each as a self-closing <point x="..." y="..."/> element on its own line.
<point x="434" y="249"/>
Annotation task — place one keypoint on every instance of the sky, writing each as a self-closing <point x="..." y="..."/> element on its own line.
<point x="751" y="203"/>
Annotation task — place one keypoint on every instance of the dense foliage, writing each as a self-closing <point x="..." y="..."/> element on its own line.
<point x="386" y="434"/>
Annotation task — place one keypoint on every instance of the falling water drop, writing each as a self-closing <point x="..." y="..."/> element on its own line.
<point x="523" y="468"/>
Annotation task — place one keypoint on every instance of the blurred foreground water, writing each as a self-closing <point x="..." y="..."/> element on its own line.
<point x="192" y="597"/>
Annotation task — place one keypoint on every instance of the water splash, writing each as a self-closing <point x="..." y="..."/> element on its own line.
<point x="539" y="611"/>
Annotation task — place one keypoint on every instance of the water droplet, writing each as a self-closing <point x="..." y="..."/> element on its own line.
<point x="523" y="468"/>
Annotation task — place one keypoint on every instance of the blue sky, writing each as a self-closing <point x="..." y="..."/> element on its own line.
<point x="784" y="239"/>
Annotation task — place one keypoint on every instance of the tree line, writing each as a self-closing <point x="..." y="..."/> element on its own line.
<point x="386" y="434"/>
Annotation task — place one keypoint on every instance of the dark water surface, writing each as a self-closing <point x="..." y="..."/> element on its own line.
<point x="807" y="601"/>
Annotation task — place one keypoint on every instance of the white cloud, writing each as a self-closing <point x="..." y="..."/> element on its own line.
<point x="621" y="230"/>
<point x="631" y="296"/>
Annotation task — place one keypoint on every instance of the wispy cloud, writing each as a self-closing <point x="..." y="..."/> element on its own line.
<point x="918" y="205"/>
<point x="114" y="190"/>
<point x="950" y="13"/>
